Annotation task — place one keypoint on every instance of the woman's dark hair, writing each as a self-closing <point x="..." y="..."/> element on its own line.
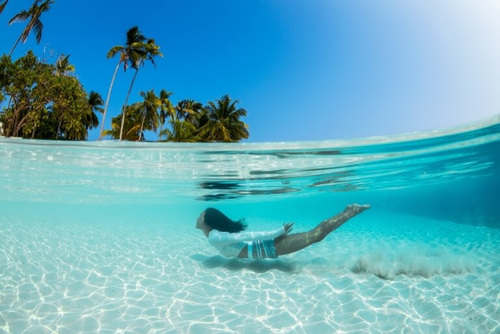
<point x="219" y="221"/>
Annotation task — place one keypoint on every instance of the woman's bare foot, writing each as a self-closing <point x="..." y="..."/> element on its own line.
<point x="356" y="209"/>
<point x="335" y="222"/>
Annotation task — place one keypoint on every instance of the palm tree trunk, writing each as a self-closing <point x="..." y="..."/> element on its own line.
<point x="161" y="127"/>
<point x="2" y="6"/>
<point x="17" y="42"/>
<point x="125" y="105"/>
<point x="107" y="100"/>
<point x="58" y="128"/>
<point x="24" y="34"/>
<point x="142" y="129"/>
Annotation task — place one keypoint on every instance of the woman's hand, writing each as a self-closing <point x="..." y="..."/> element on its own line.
<point x="288" y="227"/>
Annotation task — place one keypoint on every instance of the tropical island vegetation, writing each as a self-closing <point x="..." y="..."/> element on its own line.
<point x="39" y="100"/>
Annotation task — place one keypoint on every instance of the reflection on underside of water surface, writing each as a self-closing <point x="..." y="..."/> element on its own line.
<point x="223" y="190"/>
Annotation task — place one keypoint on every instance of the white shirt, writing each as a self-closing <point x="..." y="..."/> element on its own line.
<point x="231" y="244"/>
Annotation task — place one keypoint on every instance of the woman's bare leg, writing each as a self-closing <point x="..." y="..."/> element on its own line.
<point x="290" y="243"/>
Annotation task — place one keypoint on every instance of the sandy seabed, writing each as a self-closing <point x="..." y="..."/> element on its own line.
<point x="398" y="275"/>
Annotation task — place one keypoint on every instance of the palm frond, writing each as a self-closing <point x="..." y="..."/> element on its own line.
<point x="114" y="50"/>
<point x="134" y="35"/>
<point x="22" y="16"/>
<point x="38" y="27"/>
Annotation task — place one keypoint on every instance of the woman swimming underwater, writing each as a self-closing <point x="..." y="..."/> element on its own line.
<point x="228" y="238"/>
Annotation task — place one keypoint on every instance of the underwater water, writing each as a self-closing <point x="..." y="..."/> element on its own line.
<point x="100" y="236"/>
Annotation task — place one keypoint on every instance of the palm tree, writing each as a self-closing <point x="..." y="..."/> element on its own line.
<point x="90" y="120"/>
<point x="147" y="52"/>
<point x="63" y="66"/>
<point x="34" y="23"/>
<point x="182" y="131"/>
<point x="96" y="101"/>
<point x="148" y="112"/>
<point x="129" y="53"/>
<point x="131" y="128"/>
<point x="2" y="5"/>
<point x="224" y="121"/>
<point x="188" y="110"/>
<point x="166" y="109"/>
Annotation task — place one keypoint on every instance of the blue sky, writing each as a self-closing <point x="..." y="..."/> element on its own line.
<point x="304" y="70"/>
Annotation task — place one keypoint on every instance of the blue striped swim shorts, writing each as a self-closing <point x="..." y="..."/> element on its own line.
<point x="262" y="249"/>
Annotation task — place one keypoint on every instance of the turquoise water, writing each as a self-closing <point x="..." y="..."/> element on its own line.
<point x="99" y="236"/>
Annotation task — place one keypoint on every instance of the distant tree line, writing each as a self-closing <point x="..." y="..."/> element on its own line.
<point x="46" y="101"/>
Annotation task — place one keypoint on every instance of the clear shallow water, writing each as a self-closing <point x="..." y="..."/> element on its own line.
<point x="100" y="236"/>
